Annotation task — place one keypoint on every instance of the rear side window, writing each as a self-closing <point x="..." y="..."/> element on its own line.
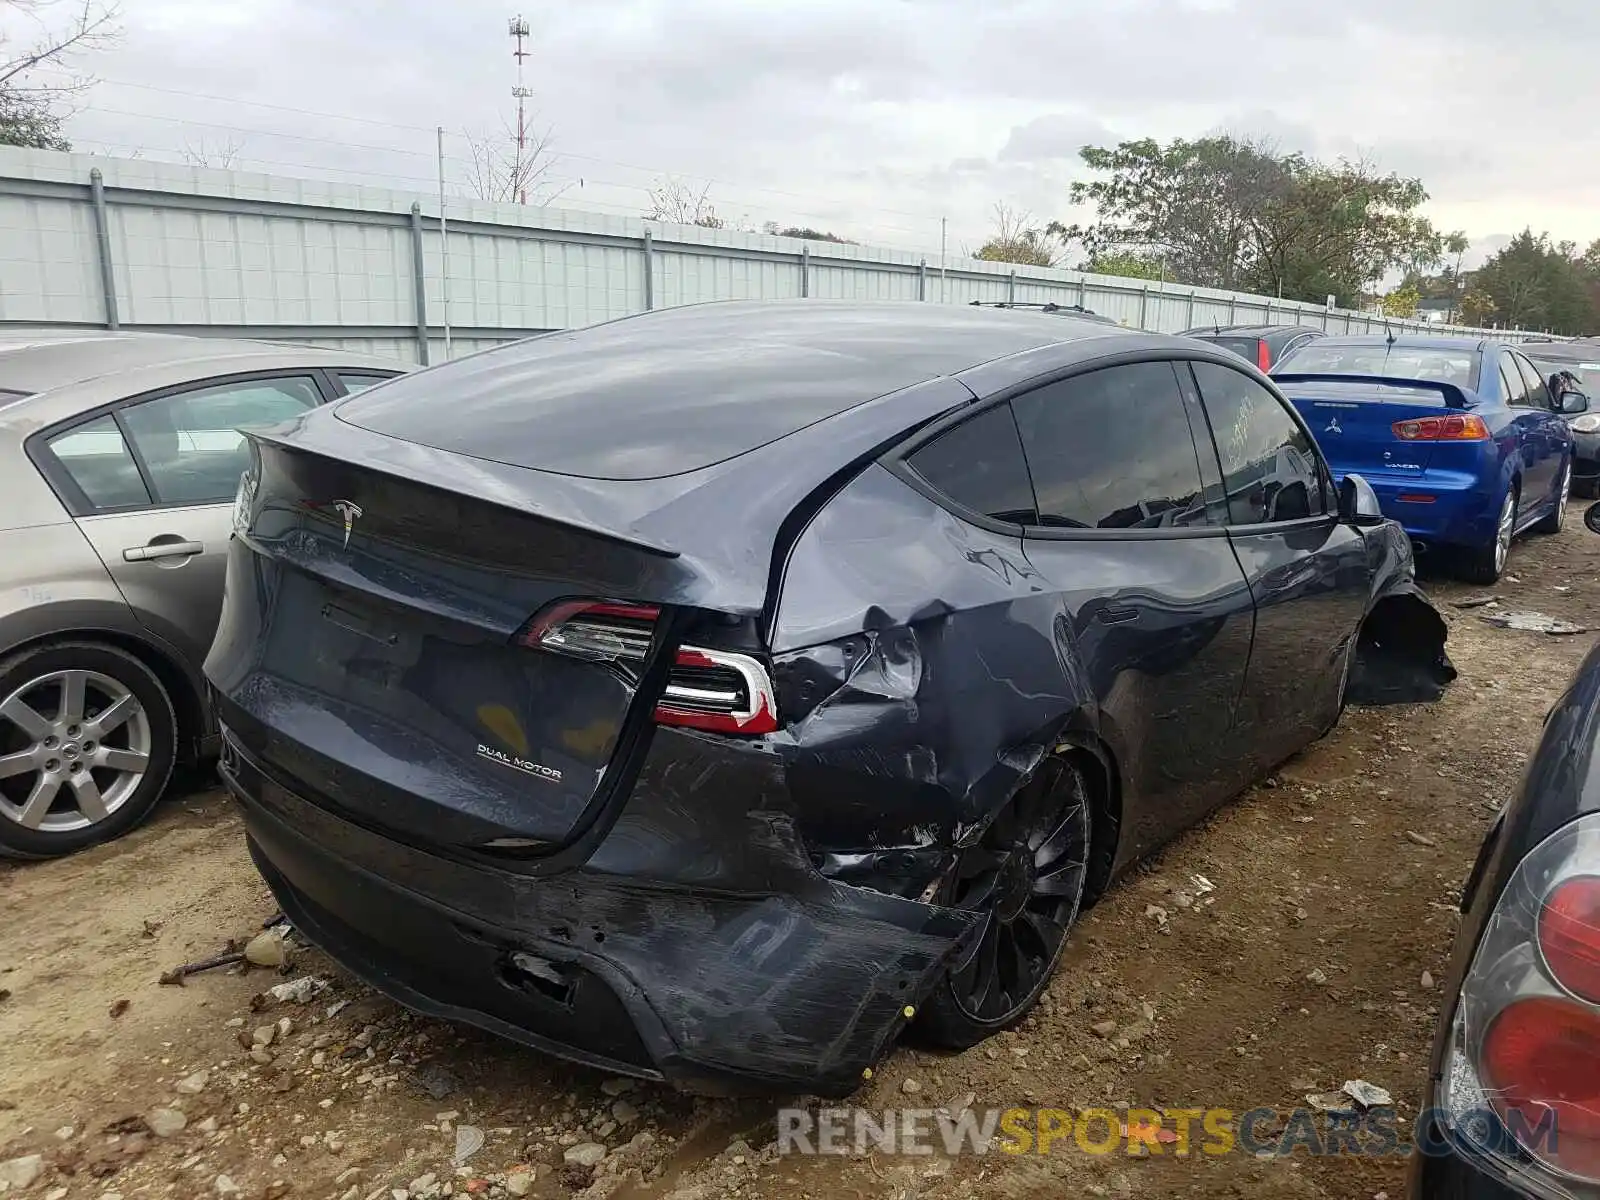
<point x="190" y="442"/>
<point x="97" y="459"/>
<point x="979" y="466"/>
<point x="356" y="381"/>
<point x="1112" y="450"/>
<point x="1269" y="466"/>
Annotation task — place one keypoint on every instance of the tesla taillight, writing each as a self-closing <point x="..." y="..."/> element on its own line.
<point x="719" y="691"/>
<point x="1458" y="427"/>
<point x="1263" y="354"/>
<point x="1520" y="1084"/>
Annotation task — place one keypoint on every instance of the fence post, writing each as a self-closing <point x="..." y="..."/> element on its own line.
<point x="1144" y="303"/>
<point x="1188" y="319"/>
<point x="805" y="271"/>
<point x="1233" y="310"/>
<point x="1011" y="289"/>
<point x="418" y="283"/>
<point x="102" y="237"/>
<point x="650" y="271"/>
<point x="922" y="280"/>
<point x="1083" y="291"/>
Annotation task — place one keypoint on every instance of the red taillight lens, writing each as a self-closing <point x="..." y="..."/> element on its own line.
<point x="1541" y="1060"/>
<point x="715" y="690"/>
<point x="718" y="691"/>
<point x="1569" y="935"/>
<point x="1263" y="355"/>
<point x="1459" y="427"/>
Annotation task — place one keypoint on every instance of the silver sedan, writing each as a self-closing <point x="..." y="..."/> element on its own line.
<point x="119" y="460"/>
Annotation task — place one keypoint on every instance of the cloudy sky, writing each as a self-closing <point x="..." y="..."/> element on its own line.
<point x="875" y="118"/>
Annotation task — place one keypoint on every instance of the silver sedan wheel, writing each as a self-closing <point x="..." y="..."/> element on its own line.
<point x="1502" y="538"/>
<point x="74" y="746"/>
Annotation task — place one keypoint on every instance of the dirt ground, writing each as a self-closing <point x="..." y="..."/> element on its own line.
<point x="1335" y="885"/>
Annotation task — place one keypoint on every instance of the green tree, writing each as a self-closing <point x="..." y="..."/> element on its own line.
<point x="1535" y="284"/>
<point x="1336" y="229"/>
<point x="806" y="233"/>
<point x="30" y="121"/>
<point x="1134" y="266"/>
<point x="1231" y="213"/>
<point x="1189" y="202"/>
<point x="1403" y="301"/>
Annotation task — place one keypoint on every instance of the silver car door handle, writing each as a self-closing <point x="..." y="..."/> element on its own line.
<point x="162" y="550"/>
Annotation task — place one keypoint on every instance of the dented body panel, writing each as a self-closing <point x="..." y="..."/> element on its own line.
<point x="491" y="833"/>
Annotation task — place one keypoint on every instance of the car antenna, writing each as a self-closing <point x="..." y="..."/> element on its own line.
<point x="1388" y="334"/>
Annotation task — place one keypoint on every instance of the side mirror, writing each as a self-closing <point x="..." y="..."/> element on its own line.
<point x="1358" y="503"/>
<point x="1569" y="403"/>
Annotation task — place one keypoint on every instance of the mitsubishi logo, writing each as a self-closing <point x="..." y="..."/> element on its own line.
<point x="349" y="512"/>
<point x="1333" y="427"/>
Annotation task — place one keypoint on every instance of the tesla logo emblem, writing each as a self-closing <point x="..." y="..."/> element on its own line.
<point x="1333" y="426"/>
<point x="349" y="512"/>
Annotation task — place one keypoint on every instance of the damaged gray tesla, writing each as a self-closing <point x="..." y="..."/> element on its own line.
<point x="711" y="694"/>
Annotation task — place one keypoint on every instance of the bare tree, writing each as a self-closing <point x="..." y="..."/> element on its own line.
<point x="224" y="154"/>
<point x="500" y="170"/>
<point x="678" y="201"/>
<point x="38" y="34"/>
<point x="1017" y="239"/>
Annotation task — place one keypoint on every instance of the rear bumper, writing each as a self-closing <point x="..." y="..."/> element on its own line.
<point x="1448" y="509"/>
<point x="1586" y="456"/>
<point x="798" y="988"/>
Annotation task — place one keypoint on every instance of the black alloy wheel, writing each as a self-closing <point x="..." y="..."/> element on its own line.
<point x="1026" y="876"/>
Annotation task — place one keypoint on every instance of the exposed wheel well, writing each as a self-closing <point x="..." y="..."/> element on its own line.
<point x="1099" y="768"/>
<point x="186" y="705"/>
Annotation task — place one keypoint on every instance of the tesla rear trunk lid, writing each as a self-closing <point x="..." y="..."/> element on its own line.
<point x="375" y="644"/>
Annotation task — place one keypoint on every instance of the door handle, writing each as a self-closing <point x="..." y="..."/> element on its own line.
<point x="158" y="549"/>
<point x="1115" y="615"/>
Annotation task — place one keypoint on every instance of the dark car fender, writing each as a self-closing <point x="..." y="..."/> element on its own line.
<point x="911" y="718"/>
<point x="1400" y="649"/>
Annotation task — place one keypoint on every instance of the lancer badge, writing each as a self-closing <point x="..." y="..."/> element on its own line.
<point x="349" y="512"/>
<point x="1333" y="426"/>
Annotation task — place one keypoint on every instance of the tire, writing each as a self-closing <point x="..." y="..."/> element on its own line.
<point x="1027" y="876"/>
<point x="1551" y="522"/>
<point x="65" y="783"/>
<point x="1485" y="564"/>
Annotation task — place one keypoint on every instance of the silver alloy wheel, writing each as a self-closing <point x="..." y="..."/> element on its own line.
<point x="1566" y="491"/>
<point x="1502" y="537"/>
<point x="86" y="744"/>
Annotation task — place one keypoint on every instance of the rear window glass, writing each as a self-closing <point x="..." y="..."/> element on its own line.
<point x="1445" y="364"/>
<point x="979" y="465"/>
<point x="1245" y="348"/>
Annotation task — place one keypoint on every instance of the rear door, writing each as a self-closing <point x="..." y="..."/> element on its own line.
<point x="1306" y="570"/>
<point x="1155" y="604"/>
<point x="151" y="483"/>
<point x="1546" y="436"/>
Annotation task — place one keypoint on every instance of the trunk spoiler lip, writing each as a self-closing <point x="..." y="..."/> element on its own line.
<point x="1454" y="395"/>
<point x="440" y="479"/>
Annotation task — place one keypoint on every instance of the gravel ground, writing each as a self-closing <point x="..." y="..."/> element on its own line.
<point x="1310" y="961"/>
